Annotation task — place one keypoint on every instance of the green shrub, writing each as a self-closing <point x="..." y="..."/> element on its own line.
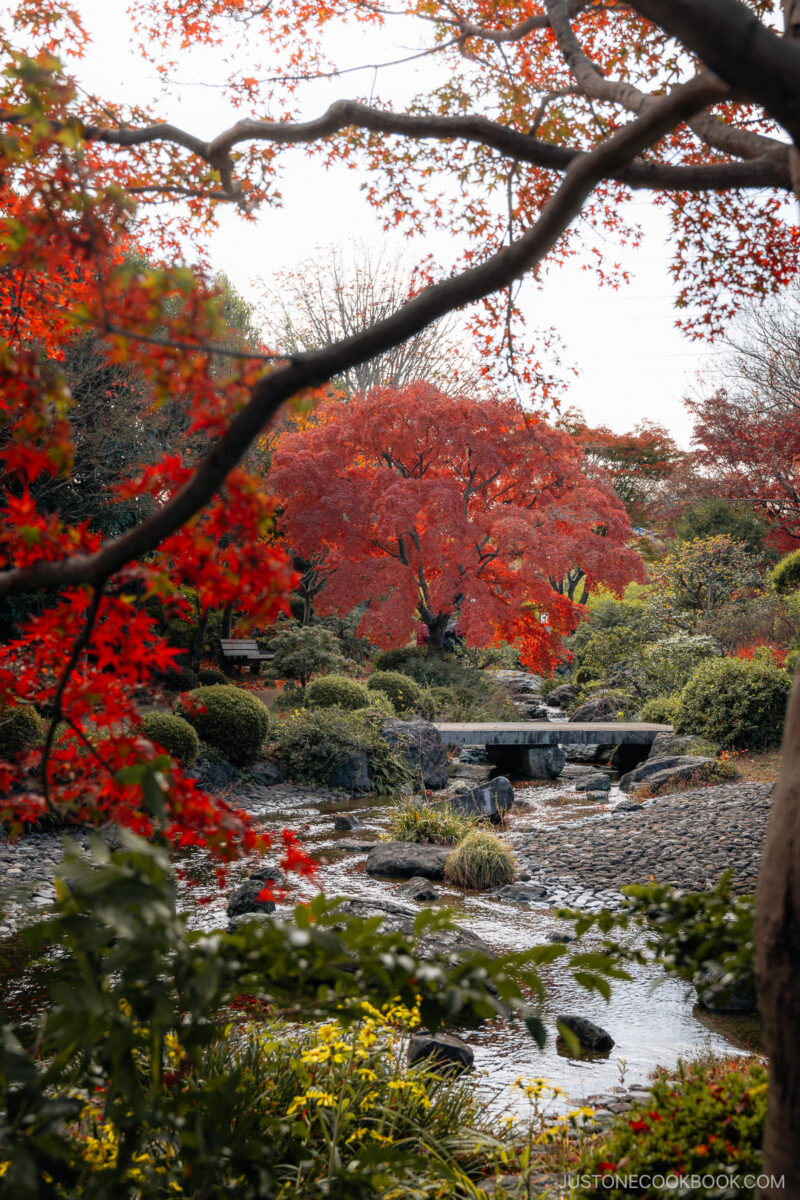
<point x="181" y="633"/>
<point x="735" y="703"/>
<point x="20" y="728"/>
<point x="661" y="710"/>
<point x="229" y="719"/>
<point x="426" y="705"/>
<point x="490" y="702"/>
<point x="304" y="651"/>
<point x="174" y="734"/>
<point x="791" y="661"/>
<point x="667" y="665"/>
<point x="178" y="679"/>
<point x="396" y="660"/>
<point x="785" y="575"/>
<point x="416" y="820"/>
<point x="210" y="675"/>
<point x="380" y="702"/>
<point x="292" y="696"/>
<point x="403" y="691"/>
<point x="481" y="861"/>
<point x="336" y="691"/>
<point x="310" y="744"/>
<point x="705" y="1119"/>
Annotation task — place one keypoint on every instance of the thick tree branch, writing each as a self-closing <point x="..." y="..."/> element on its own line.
<point x="318" y="366"/>
<point x="736" y="45"/>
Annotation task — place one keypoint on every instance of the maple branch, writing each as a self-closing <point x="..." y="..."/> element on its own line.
<point x="318" y="366"/>
<point x="734" y="43"/>
<point x="78" y="647"/>
<point x="517" y="32"/>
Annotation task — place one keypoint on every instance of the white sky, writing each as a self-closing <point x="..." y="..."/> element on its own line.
<point x="633" y="364"/>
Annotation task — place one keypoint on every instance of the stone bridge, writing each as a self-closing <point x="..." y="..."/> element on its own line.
<point x="533" y="746"/>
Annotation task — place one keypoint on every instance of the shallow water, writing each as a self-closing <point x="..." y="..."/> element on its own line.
<point x="652" y="1018"/>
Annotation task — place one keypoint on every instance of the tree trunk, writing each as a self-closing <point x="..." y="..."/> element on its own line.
<point x="227" y="621"/>
<point x="437" y="627"/>
<point x="778" y="964"/>
<point x="201" y="638"/>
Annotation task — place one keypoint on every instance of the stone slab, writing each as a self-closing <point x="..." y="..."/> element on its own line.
<point x="549" y="733"/>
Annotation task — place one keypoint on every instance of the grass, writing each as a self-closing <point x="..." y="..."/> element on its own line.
<point x="418" y="821"/>
<point x="481" y="861"/>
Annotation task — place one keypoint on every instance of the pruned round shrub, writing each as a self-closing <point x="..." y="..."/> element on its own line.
<point x="661" y="710"/>
<point x="336" y="691"/>
<point x="785" y="575"/>
<point x="20" y="728"/>
<point x="174" y="734"/>
<point x="209" y="676"/>
<point x="481" y="861"/>
<point x="735" y="703"/>
<point x="403" y="691"/>
<point x="178" y="679"/>
<point x="379" y="702"/>
<point x="416" y="820"/>
<point x="229" y="719"/>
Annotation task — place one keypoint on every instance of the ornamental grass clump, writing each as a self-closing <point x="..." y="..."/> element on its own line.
<point x="229" y="719"/>
<point x="481" y="861"/>
<point x="416" y="820"/>
<point x="173" y="734"/>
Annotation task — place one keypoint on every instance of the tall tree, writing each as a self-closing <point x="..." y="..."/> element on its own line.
<point x="539" y="113"/>
<point x="332" y="296"/>
<point x="638" y="463"/>
<point x="437" y="507"/>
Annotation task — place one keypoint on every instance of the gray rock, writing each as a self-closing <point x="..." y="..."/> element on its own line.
<point x="471" y="774"/>
<point x="543" y="762"/>
<point x="731" y="996"/>
<point x="600" y="709"/>
<point x="678" y="743"/>
<point x="214" y="775"/>
<point x="562" y="696"/>
<point x="245" y="899"/>
<point x="268" y="873"/>
<point x="658" y="773"/>
<point x="397" y="918"/>
<point x="489" y="801"/>
<point x="351" y="775"/>
<point x="561" y="936"/>
<point x="347" y="821"/>
<point x="266" y="774"/>
<point x="355" y="847"/>
<point x="420" y="744"/>
<point x="474" y="755"/>
<point x="629" y="806"/>
<point x="406" y="859"/>
<point x="577" y="752"/>
<point x="590" y="1036"/>
<point x="447" y="1052"/>
<point x="521" y="893"/>
<point x="417" y="888"/>
<point x="596" y="782"/>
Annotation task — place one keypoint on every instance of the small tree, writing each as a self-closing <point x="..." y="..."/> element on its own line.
<point x="304" y="651"/>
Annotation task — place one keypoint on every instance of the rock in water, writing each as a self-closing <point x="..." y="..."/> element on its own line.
<point x="447" y="1051"/>
<point x="590" y="1036"/>
<point x="245" y="899"/>
<point x="488" y="801"/>
<point x="521" y="893"/>
<point x="347" y="821"/>
<point x="420" y="744"/>
<point x="417" y="888"/>
<point x="543" y="762"/>
<point x="406" y="859"/>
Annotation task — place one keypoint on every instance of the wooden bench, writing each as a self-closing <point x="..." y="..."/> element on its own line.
<point x="245" y="650"/>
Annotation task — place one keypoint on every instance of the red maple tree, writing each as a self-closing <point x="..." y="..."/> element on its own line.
<point x="438" y="506"/>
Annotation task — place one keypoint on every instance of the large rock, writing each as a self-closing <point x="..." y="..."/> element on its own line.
<point x="406" y="859"/>
<point x="444" y="943"/>
<point x="658" y="773"/>
<point x="543" y="762"/>
<point x="266" y="774"/>
<point x="677" y="743"/>
<point x="420" y="744"/>
<point x="590" y="1036"/>
<point x="733" y="996"/>
<point x="580" y="752"/>
<point x="562" y="696"/>
<point x="214" y="774"/>
<point x="600" y="709"/>
<point x="489" y="801"/>
<point x="598" y="781"/>
<point x="347" y="821"/>
<point x="446" y="1051"/>
<point x="351" y="775"/>
<point x="521" y="893"/>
